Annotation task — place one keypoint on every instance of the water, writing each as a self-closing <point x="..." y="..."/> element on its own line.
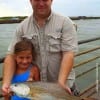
<point x="6" y="34"/>
<point x="86" y="29"/>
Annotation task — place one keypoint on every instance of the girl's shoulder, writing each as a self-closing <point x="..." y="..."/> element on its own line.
<point x="34" y="73"/>
<point x="35" y="68"/>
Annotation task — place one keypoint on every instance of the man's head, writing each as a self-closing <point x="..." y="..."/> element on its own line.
<point x="41" y="8"/>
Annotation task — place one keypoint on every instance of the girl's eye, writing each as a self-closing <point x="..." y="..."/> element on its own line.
<point x="28" y="57"/>
<point x="21" y="57"/>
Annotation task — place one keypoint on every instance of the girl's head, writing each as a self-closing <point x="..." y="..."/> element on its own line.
<point x="24" y="52"/>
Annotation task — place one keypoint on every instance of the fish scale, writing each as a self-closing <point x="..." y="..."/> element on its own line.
<point x="53" y="89"/>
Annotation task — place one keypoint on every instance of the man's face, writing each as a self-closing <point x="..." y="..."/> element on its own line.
<point x="41" y="7"/>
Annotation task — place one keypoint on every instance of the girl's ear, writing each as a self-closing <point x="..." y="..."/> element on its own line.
<point x="15" y="56"/>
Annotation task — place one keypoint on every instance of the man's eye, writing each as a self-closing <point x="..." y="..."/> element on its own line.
<point x="41" y="0"/>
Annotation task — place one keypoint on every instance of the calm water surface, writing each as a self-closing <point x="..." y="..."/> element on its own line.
<point x="86" y="29"/>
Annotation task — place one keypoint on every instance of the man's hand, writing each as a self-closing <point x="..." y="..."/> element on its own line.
<point x="65" y="69"/>
<point x="66" y="88"/>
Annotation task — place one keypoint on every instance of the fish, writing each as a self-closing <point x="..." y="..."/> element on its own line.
<point x="42" y="91"/>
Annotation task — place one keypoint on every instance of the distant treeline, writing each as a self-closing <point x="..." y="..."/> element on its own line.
<point x="83" y="17"/>
<point x="7" y="20"/>
<point x="18" y="19"/>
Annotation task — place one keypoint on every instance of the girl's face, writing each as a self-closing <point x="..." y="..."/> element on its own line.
<point x="23" y="59"/>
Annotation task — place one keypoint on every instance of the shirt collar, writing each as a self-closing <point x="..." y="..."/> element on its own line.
<point x="48" y="19"/>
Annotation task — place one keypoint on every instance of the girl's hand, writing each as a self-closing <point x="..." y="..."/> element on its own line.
<point x="5" y="89"/>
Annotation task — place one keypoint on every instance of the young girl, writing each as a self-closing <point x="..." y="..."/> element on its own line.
<point x="24" y="54"/>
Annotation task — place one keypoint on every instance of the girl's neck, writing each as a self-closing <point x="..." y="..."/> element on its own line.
<point x="20" y="70"/>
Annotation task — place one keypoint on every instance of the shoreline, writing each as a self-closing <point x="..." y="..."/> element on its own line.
<point x="9" y="21"/>
<point x="17" y="19"/>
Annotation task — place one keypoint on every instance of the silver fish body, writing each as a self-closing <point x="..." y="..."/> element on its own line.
<point x="42" y="91"/>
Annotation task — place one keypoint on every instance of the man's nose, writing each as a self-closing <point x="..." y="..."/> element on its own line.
<point x="41" y="2"/>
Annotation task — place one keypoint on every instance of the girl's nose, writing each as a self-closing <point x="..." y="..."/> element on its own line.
<point x="24" y="60"/>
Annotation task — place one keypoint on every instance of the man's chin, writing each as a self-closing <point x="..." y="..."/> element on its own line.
<point x="41" y="14"/>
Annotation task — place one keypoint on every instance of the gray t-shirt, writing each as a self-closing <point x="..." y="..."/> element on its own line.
<point x="57" y="35"/>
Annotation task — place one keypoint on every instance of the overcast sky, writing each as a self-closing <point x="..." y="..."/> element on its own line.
<point x="65" y="7"/>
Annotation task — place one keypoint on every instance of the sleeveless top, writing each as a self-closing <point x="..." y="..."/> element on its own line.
<point x="21" y="78"/>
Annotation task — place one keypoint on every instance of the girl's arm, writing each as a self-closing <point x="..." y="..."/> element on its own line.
<point x="7" y="98"/>
<point x="35" y="73"/>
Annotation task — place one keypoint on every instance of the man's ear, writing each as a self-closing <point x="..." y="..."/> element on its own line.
<point x="30" y="1"/>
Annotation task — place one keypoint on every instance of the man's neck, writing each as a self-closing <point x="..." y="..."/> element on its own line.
<point x="41" y="19"/>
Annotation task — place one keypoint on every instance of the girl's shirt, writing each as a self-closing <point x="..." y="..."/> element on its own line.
<point x="23" y="77"/>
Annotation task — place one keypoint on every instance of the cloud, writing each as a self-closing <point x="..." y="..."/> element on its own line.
<point x="6" y="11"/>
<point x="14" y="8"/>
<point x="65" y="7"/>
<point x="77" y="7"/>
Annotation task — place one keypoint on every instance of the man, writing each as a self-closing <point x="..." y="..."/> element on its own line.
<point x="55" y="41"/>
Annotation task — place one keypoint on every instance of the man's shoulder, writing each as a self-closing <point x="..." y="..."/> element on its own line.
<point x="61" y="17"/>
<point x="25" y="23"/>
<point x="26" y="20"/>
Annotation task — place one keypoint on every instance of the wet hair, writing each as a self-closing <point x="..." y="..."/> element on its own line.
<point x="24" y="45"/>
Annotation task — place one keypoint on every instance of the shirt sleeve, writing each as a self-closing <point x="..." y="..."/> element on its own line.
<point x="15" y="39"/>
<point x="69" y="41"/>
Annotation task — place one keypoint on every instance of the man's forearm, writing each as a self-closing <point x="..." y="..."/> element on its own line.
<point x="66" y="67"/>
<point x="8" y="69"/>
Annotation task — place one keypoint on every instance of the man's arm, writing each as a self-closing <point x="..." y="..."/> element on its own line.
<point x="8" y="71"/>
<point x="66" y="67"/>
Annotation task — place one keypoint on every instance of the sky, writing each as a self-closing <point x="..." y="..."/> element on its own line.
<point x="64" y="7"/>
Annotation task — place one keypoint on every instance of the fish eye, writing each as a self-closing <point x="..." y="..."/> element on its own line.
<point x="15" y="85"/>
